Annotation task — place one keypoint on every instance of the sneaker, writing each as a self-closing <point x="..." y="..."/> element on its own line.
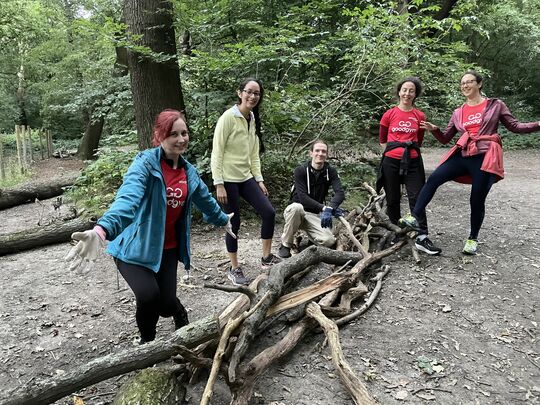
<point x="471" y="246"/>
<point x="284" y="252"/>
<point x="180" y="318"/>
<point x="427" y="246"/>
<point x="269" y="261"/>
<point x="408" y="221"/>
<point x="237" y="276"/>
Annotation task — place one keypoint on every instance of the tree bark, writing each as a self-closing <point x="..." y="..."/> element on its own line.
<point x="155" y="84"/>
<point x="92" y="135"/>
<point x="10" y="197"/>
<point x="445" y="9"/>
<point x="58" y="232"/>
<point x="48" y="391"/>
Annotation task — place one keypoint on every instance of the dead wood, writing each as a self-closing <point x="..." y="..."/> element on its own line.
<point x="57" y="232"/>
<point x="100" y="369"/>
<point x="28" y="192"/>
<point x="274" y="285"/>
<point x="231" y="326"/>
<point x="352" y="383"/>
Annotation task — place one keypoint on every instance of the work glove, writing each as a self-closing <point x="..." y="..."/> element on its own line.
<point x="326" y="217"/>
<point x="84" y="254"/>
<point x="228" y="226"/>
<point x="338" y="212"/>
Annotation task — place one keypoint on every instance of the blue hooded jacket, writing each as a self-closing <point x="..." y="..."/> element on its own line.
<point x="135" y="222"/>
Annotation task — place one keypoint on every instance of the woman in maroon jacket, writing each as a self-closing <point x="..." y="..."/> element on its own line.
<point x="477" y="156"/>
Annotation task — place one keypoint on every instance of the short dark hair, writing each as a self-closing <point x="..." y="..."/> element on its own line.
<point x="316" y="141"/>
<point x="418" y="86"/>
<point x="477" y="76"/>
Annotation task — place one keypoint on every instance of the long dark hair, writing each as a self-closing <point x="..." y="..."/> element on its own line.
<point x="255" y="110"/>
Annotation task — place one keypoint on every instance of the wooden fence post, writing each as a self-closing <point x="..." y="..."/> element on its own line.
<point x="30" y="146"/>
<point x="49" y="143"/>
<point x="20" y="155"/>
<point x="41" y="147"/>
<point x="2" y="166"/>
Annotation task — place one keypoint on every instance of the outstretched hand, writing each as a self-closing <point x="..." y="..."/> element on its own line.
<point x="228" y="226"/>
<point x="428" y="125"/>
<point x="84" y="254"/>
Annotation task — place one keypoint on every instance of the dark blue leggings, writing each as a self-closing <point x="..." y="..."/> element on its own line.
<point x="155" y="293"/>
<point x="250" y="191"/>
<point x="454" y="167"/>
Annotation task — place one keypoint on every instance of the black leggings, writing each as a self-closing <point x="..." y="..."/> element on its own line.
<point x="413" y="180"/>
<point x="250" y="191"/>
<point x="155" y="293"/>
<point x="454" y="167"/>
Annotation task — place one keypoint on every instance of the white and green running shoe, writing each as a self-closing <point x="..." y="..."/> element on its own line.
<point x="408" y="221"/>
<point x="471" y="246"/>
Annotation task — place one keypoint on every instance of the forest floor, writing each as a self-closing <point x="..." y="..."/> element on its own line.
<point x="454" y="329"/>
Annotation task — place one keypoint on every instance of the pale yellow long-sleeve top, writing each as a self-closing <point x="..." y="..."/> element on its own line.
<point x="235" y="150"/>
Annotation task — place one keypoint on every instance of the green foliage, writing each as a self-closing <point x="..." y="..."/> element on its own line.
<point x="96" y="187"/>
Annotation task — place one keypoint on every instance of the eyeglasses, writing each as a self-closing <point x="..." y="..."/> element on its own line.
<point x="252" y="93"/>
<point x="467" y="83"/>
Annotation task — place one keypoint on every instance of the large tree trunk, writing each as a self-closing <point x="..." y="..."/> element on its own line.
<point x="94" y="125"/>
<point x="155" y="84"/>
<point x="10" y="197"/>
<point x="57" y="232"/>
<point x="92" y="135"/>
<point x="48" y="391"/>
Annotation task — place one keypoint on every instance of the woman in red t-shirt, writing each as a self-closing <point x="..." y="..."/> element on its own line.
<point x="477" y="156"/>
<point x="149" y="225"/>
<point x="401" y="136"/>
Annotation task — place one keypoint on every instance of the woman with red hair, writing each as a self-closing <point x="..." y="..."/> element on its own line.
<point x="148" y="224"/>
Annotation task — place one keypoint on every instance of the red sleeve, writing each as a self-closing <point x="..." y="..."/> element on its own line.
<point x="512" y="124"/>
<point x="384" y="124"/>
<point x="449" y="132"/>
<point x="383" y="134"/>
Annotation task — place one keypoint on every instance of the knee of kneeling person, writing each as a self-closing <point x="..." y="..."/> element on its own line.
<point x="326" y="240"/>
<point x="294" y="209"/>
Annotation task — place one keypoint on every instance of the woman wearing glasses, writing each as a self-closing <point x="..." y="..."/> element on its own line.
<point x="477" y="156"/>
<point x="236" y="171"/>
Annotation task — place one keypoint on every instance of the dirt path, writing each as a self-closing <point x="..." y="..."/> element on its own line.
<point x="473" y="319"/>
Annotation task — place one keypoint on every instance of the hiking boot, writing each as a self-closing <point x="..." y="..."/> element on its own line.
<point x="181" y="317"/>
<point x="471" y="246"/>
<point x="427" y="246"/>
<point x="269" y="261"/>
<point x="237" y="276"/>
<point x="408" y="221"/>
<point x="284" y="252"/>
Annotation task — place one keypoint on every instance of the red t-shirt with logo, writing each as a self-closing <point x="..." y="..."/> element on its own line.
<point x="176" y="191"/>
<point x="401" y="126"/>
<point x="472" y="117"/>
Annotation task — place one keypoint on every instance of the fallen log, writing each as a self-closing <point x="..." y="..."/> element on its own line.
<point x="47" y="391"/>
<point x="57" y="232"/>
<point x="28" y="192"/>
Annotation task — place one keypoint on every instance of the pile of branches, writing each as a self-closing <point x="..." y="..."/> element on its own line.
<point x="222" y="345"/>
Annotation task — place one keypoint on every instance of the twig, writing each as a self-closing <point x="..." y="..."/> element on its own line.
<point x="230" y="288"/>
<point x="353" y="315"/>
<point x="351" y="236"/>
<point x="430" y="388"/>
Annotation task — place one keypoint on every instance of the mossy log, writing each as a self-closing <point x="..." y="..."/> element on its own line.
<point x="28" y="192"/>
<point x="50" y="390"/>
<point x="149" y="387"/>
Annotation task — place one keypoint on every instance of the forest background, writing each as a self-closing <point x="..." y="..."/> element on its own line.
<point x="96" y="72"/>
